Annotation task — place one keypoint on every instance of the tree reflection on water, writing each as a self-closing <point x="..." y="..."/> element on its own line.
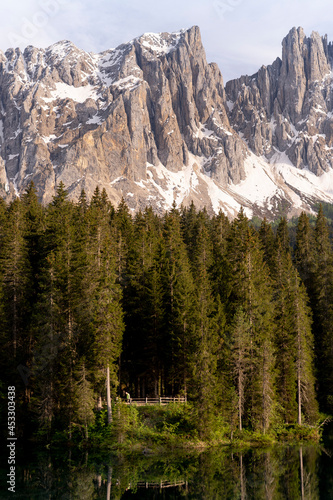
<point x="280" y="472"/>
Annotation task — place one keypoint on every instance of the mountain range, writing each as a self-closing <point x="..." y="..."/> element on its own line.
<point x="153" y="123"/>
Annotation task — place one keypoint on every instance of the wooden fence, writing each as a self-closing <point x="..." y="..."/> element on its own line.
<point x="155" y="401"/>
<point x="161" y="484"/>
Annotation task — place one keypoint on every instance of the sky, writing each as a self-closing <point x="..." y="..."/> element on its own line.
<point x="239" y="35"/>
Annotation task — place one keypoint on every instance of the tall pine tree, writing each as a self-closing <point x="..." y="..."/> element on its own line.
<point x="250" y="290"/>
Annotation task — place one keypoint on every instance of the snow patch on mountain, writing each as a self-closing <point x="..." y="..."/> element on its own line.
<point x="222" y="198"/>
<point x="161" y="43"/>
<point x="202" y="131"/>
<point x="49" y="138"/>
<point x="95" y="120"/>
<point x="172" y="186"/>
<point x="260" y="182"/>
<point x="304" y="180"/>
<point x="128" y="83"/>
<point x="61" y="49"/>
<point x="265" y="181"/>
<point x="188" y="183"/>
<point x="78" y="94"/>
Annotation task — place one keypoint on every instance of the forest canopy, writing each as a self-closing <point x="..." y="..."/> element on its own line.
<point x="226" y="313"/>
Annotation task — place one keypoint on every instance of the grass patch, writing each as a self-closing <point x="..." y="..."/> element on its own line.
<point x="160" y="429"/>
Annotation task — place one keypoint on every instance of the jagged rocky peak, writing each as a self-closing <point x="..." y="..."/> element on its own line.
<point x="305" y="61"/>
<point x="117" y="119"/>
<point x="151" y="121"/>
<point x="286" y="107"/>
<point x="305" y="57"/>
<point x="160" y="43"/>
<point x="62" y="49"/>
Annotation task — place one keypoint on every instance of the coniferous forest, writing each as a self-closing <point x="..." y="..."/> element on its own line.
<point x="235" y="317"/>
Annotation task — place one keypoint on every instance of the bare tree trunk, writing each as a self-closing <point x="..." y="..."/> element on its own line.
<point x="108" y="396"/>
<point x="299" y="362"/>
<point x="119" y="373"/>
<point x="263" y="397"/>
<point x="240" y="399"/>
<point x="70" y="404"/>
<point x="299" y="397"/>
<point x="266" y="400"/>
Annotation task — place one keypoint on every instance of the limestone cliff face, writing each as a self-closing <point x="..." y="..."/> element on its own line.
<point x="108" y="119"/>
<point x="151" y="121"/>
<point x="287" y="106"/>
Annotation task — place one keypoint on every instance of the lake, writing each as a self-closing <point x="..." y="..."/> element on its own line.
<point x="279" y="472"/>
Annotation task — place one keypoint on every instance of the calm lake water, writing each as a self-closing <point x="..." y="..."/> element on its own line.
<point x="280" y="472"/>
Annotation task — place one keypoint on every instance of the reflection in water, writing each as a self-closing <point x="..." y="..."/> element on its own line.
<point x="108" y="488"/>
<point x="277" y="473"/>
<point x="242" y="479"/>
<point x="301" y="469"/>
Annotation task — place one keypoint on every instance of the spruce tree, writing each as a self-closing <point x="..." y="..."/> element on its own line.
<point x="16" y="275"/>
<point x="209" y="325"/>
<point x="250" y="289"/>
<point x="293" y="336"/>
<point x="34" y="226"/>
<point x="107" y="322"/>
<point x="323" y="308"/>
<point x="101" y="311"/>
<point x="219" y="231"/>
<point x="123" y="223"/>
<point x="57" y="333"/>
<point x="178" y="303"/>
<point x="306" y="397"/>
<point x="240" y="359"/>
<point x="143" y="305"/>
<point x="266" y="236"/>
<point x="84" y="401"/>
<point x="305" y="252"/>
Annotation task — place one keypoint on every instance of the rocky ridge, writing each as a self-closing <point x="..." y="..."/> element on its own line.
<point x="287" y="107"/>
<point x="109" y="119"/>
<point x="151" y="121"/>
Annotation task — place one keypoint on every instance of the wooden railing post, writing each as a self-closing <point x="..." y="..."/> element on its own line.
<point x="160" y="400"/>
